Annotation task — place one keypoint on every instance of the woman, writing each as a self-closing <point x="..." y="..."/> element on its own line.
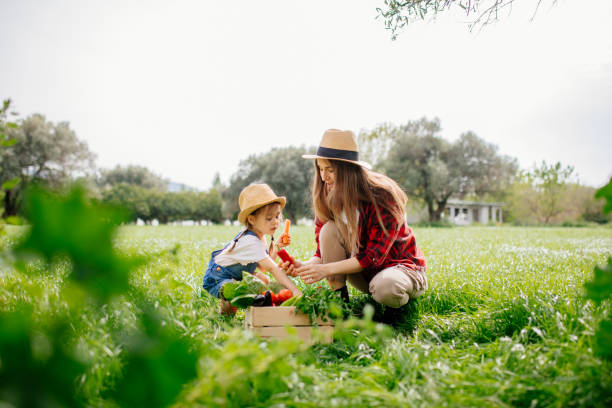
<point x="360" y="228"/>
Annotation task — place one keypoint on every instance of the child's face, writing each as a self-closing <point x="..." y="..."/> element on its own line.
<point x="266" y="220"/>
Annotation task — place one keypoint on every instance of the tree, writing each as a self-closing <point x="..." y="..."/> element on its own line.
<point x="287" y="173"/>
<point x="208" y="206"/>
<point x="131" y="197"/>
<point x="6" y="142"/>
<point x="432" y="170"/>
<point x="44" y="152"/>
<point x="131" y="174"/>
<point x="539" y="194"/>
<point x="399" y="13"/>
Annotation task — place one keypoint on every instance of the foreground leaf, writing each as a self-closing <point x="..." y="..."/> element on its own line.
<point x="70" y="226"/>
<point x="606" y="193"/>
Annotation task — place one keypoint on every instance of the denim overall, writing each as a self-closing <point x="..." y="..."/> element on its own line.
<point x="217" y="275"/>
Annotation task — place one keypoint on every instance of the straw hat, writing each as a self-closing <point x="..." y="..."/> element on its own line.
<point x="256" y="196"/>
<point x="338" y="145"/>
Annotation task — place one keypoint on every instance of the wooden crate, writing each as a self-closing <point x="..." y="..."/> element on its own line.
<point x="272" y="322"/>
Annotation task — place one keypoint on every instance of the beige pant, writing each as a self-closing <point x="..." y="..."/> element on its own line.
<point x="392" y="286"/>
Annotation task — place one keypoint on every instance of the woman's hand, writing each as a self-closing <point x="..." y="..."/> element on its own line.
<point x="312" y="273"/>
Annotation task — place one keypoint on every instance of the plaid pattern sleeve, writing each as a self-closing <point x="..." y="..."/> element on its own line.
<point x="379" y="250"/>
<point x="318" y="225"/>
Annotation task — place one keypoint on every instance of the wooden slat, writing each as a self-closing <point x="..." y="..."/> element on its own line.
<point x="279" y="316"/>
<point x="303" y="332"/>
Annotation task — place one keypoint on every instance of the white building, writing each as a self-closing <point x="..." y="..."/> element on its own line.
<point x="467" y="212"/>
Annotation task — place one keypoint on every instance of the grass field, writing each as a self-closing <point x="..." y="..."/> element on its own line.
<point x="504" y="323"/>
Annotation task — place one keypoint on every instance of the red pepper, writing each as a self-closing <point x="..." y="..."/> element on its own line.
<point x="284" y="255"/>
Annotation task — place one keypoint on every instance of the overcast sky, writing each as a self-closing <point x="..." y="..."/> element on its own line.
<point x="189" y="88"/>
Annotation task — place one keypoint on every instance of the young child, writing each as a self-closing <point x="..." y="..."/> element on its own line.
<point x="260" y="212"/>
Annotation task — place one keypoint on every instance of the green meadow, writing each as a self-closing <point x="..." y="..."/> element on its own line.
<point x="504" y="323"/>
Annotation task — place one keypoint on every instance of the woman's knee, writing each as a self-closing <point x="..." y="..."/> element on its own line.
<point x="391" y="288"/>
<point x="331" y="243"/>
<point x="329" y="232"/>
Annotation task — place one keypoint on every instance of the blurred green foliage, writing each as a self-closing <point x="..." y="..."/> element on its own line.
<point x="157" y="364"/>
<point x="69" y="226"/>
<point x="37" y="363"/>
<point x="606" y="193"/>
<point x="38" y="367"/>
<point x="600" y="288"/>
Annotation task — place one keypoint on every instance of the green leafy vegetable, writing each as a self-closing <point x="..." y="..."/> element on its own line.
<point x="275" y="286"/>
<point x="242" y="293"/>
<point x="319" y="301"/>
<point x="243" y="301"/>
<point x="292" y="301"/>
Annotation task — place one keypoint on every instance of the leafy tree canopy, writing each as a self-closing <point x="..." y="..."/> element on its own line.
<point x="284" y="170"/>
<point x="44" y="152"/>
<point x="132" y="174"/>
<point x="397" y="14"/>
<point x="539" y="193"/>
<point x="432" y="170"/>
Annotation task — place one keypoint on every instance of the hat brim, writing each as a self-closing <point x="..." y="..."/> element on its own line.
<point x="358" y="163"/>
<point x="242" y="216"/>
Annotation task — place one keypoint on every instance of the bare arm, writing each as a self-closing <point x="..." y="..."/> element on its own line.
<point x="311" y="273"/>
<point x="268" y="264"/>
<point x="291" y="269"/>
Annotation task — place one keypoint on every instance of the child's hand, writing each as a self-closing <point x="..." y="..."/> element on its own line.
<point x="289" y="267"/>
<point x="283" y="241"/>
<point x="263" y="277"/>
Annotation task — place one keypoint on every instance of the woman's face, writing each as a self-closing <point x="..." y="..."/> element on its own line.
<point x="327" y="173"/>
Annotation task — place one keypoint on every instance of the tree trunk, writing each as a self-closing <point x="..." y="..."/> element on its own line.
<point x="10" y="203"/>
<point x="432" y="212"/>
<point x="435" y="213"/>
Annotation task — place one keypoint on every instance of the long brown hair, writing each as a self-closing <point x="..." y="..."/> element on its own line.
<point x="353" y="186"/>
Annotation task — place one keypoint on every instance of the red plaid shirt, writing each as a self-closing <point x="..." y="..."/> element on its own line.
<point x="378" y="250"/>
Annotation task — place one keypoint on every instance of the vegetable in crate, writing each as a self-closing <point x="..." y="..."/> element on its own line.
<point x="321" y="302"/>
<point x="243" y="293"/>
<point x="277" y="298"/>
<point x="283" y="295"/>
<point x="292" y="301"/>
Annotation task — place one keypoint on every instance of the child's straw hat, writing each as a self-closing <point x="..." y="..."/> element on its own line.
<point x="338" y="145"/>
<point x="256" y="196"/>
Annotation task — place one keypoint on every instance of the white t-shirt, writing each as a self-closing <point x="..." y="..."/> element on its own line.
<point x="249" y="248"/>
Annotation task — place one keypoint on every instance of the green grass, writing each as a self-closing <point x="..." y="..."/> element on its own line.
<point x="504" y="323"/>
